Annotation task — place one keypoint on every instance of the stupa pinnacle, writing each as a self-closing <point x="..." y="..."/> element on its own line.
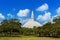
<point x="32" y="16"/>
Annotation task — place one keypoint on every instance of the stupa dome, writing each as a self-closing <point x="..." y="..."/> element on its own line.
<point x="31" y="22"/>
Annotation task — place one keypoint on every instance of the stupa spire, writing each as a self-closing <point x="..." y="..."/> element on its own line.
<point x="32" y="15"/>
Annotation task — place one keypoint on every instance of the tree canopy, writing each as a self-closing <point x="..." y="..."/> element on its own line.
<point x="13" y="27"/>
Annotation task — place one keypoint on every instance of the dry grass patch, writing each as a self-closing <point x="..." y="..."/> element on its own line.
<point x="28" y="38"/>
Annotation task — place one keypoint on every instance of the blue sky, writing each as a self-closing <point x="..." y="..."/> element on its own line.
<point x="44" y="10"/>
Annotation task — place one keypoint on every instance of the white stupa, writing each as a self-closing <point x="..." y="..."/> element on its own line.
<point x="31" y="22"/>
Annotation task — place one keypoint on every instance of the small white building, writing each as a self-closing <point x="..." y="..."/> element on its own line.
<point x="31" y="22"/>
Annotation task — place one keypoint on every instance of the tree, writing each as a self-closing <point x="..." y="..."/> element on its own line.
<point x="57" y="25"/>
<point x="11" y="26"/>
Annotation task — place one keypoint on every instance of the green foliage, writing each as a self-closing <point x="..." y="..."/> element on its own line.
<point x="12" y="27"/>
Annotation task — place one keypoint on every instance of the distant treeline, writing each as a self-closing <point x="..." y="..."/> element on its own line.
<point x="12" y="27"/>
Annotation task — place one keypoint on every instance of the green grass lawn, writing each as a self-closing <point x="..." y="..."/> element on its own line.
<point x="28" y="38"/>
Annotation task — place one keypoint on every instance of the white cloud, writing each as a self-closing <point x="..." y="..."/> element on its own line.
<point x="57" y="14"/>
<point x="23" y="13"/>
<point x="44" y="18"/>
<point x="10" y="15"/>
<point x="58" y="11"/>
<point x="53" y="18"/>
<point x="42" y="7"/>
<point x="23" y="20"/>
<point x="1" y="16"/>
